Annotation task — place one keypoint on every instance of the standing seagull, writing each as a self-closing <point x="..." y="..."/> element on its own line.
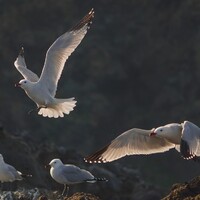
<point x="42" y="90"/>
<point x="8" y="173"/>
<point x="70" y="174"/>
<point x="184" y="137"/>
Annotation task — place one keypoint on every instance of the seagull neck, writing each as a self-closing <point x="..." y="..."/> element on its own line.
<point x="174" y="136"/>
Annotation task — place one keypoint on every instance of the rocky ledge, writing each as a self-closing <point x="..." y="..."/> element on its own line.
<point x="40" y="194"/>
<point x="185" y="191"/>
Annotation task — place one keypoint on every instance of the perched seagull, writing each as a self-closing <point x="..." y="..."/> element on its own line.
<point x="184" y="137"/>
<point x="8" y="173"/>
<point x="70" y="174"/>
<point x="42" y="90"/>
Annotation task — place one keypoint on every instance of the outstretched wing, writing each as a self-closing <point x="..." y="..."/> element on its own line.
<point x="20" y="65"/>
<point x="132" y="142"/>
<point x="60" y="50"/>
<point x="190" y="146"/>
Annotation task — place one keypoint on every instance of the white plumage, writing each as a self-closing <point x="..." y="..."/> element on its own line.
<point x="8" y="173"/>
<point x="42" y="90"/>
<point x="67" y="174"/>
<point x="184" y="137"/>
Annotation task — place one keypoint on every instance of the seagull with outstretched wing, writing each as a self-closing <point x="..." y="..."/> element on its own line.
<point x="184" y="137"/>
<point x="42" y="90"/>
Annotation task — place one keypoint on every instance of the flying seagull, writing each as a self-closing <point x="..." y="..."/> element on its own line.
<point x="184" y="137"/>
<point x="42" y="90"/>
<point x="67" y="174"/>
<point x="8" y="173"/>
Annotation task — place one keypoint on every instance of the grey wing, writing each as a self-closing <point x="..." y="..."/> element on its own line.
<point x="131" y="142"/>
<point x="59" y="52"/>
<point x="190" y="146"/>
<point x="14" y="172"/>
<point x="74" y="174"/>
<point x="20" y="65"/>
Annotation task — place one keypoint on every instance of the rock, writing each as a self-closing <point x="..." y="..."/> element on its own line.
<point x="82" y="196"/>
<point x="6" y="196"/>
<point x="189" y="191"/>
<point x="40" y="194"/>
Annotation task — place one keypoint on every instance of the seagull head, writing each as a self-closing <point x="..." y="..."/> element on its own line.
<point x="55" y="163"/>
<point x="23" y="84"/>
<point x="172" y="132"/>
<point x="158" y="131"/>
<point x="166" y="131"/>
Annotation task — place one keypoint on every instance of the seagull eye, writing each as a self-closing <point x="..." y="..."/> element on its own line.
<point x="161" y="130"/>
<point x="24" y="81"/>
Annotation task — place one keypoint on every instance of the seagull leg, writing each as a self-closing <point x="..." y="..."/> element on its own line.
<point x="32" y="110"/>
<point x="37" y="109"/>
<point x="64" y="189"/>
<point x="67" y="191"/>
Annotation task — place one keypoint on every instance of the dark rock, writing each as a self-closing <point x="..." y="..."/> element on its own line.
<point x="189" y="191"/>
<point x="82" y="196"/>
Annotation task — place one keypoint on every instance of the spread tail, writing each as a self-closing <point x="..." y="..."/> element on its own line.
<point x="62" y="106"/>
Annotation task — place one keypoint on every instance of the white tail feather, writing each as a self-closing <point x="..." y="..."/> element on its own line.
<point x="62" y="106"/>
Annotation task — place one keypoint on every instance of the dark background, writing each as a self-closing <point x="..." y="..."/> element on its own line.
<point x="138" y="66"/>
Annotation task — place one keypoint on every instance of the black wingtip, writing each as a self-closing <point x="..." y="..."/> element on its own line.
<point x="91" y="11"/>
<point x="185" y="150"/>
<point x="21" y="52"/>
<point x="26" y="175"/>
<point x="86" y="20"/>
<point x="97" y="156"/>
<point x="101" y="179"/>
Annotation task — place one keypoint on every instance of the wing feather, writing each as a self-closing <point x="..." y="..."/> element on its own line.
<point x="20" y="65"/>
<point x="190" y="146"/>
<point x="60" y="50"/>
<point x="132" y="142"/>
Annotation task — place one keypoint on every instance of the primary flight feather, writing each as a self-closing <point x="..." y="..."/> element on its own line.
<point x="42" y="89"/>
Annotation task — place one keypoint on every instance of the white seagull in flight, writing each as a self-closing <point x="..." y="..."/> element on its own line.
<point x="42" y="90"/>
<point x="184" y="137"/>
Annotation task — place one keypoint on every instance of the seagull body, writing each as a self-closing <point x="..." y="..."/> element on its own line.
<point x="184" y="137"/>
<point x="8" y="173"/>
<point x="70" y="174"/>
<point x="42" y="90"/>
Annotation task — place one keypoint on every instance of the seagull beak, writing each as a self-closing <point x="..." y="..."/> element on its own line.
<point x="17" y="85"/>
<point x="152" y="134"/>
